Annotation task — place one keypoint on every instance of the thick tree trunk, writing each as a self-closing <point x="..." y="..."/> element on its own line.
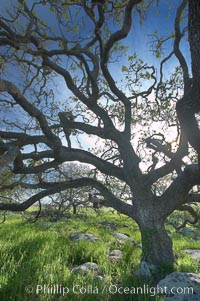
<point x="157" y="246"/>
<point x="156" y="243"/>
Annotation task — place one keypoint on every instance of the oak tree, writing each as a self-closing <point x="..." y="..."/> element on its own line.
<point x="71" y="74"/>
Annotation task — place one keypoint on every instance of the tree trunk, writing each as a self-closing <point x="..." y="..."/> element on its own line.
<point x="156" y="244"/>
<point x="74" y="209"/>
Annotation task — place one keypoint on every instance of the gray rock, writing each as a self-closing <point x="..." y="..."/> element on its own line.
<point x="185" y="286"/>
<point x="86" y="267"/>
<point x="143" y="270"/>
<point x="83" y="236"/>
<point x="108" y="225"/>
<point x="122" y="236"/>
<point x="194" y="253"/>
<point x="115" y="255"/>
<point x="139" y="246"/>
<point x="47" y="224"/>
<point x="190" y="232"/>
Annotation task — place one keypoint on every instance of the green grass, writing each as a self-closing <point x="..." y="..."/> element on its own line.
<point x="34" y="257"/>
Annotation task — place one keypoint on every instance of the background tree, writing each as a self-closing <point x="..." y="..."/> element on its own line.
<point x="70" y="198"/>
<point x="68" y="56"/>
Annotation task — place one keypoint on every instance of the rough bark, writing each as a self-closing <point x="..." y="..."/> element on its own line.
<point x="156" y="243"/>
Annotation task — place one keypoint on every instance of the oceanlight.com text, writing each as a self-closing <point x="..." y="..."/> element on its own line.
<point x="77" y="289"/>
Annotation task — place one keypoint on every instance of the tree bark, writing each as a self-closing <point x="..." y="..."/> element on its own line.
<point x="156" y="243"/>
<point x="74" y="209"/>
<point x="189" y="105"/>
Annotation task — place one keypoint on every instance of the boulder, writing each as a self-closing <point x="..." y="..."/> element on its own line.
<point x="179" y="286"/>
<point x="47" y="224"/>
<point x="189" y="232"/>
<point x="83" y="236"/>
<point x="108" y="225"/>
<point x="143" y="271"/>
<point x="195" y="254"/>
<point x="115" y="255"/>
<point x="86" y="267"/>
<point x="122" y="236"/>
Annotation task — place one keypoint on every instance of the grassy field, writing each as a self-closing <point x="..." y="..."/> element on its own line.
<point x="36" y="261"/>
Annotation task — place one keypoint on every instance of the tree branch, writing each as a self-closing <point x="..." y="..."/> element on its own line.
<point x="52" y="188"/>
<point x="174" y="164"/>
<point x="178" y="37"/>
<point x="177" y="193"/>
<point x="6" y="86"/>
<point x="192" y="212"/>
<point x="21" y="139"/>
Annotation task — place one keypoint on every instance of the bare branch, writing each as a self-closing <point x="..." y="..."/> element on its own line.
<point x="6" y="86"/>
<point x="52" y="188"/>
<point x="177" y="193"/>
<point x="178" y="37"/>
<point x="192" y="212"/>
<point x="174" y="164"/>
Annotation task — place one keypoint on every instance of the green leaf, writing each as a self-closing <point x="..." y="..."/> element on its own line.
<point x="124" y="69"/>
<point x="43" y="24"/>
